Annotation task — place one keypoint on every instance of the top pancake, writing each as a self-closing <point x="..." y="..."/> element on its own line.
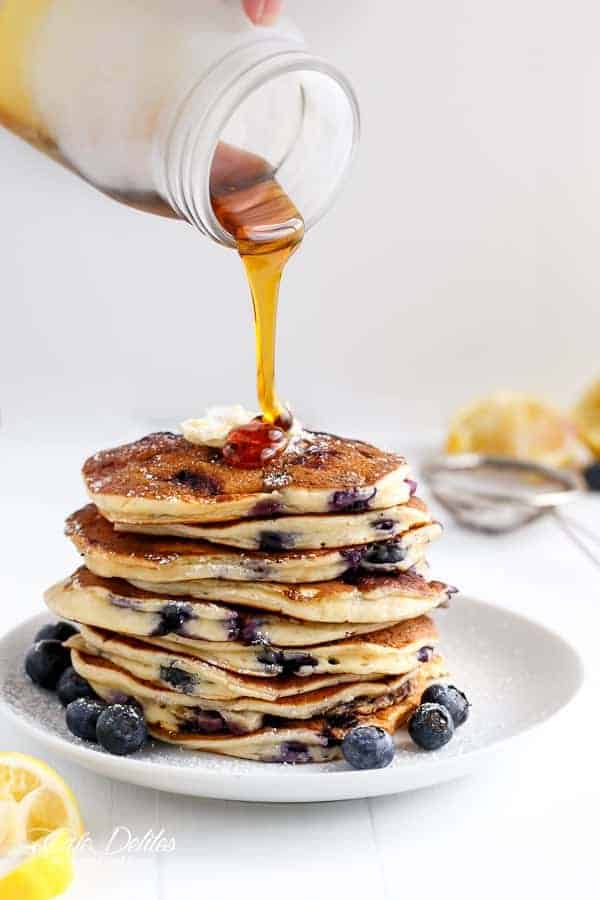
<point x="164" y="478"/>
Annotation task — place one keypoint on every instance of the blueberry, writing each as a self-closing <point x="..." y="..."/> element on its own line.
<point x="293" y="752"/>
<point x="353" y="500"/>
<point x="412" y="486"/>
<point x="198" y="481"/>
<point x="287" y="663"/>
<point x="131" y="701"/>
<point x="173" y="618"/>
<point x="250" y="632"/>
<point x="293" y="662"/>
<point x="424" y="654"/>
<point x="178" y="678"/>
<point x="59" y="631"/>
<point x="121" y="729"/>
<point x="431" y="726"/>
<point x="368" y="747"/>
<point x="592" y="476"/>
<point x="233" y="626"/>
<point x="71" y="686"/>
<point x="266" y="508"/>
<point x="449" y="696"/>
<point x="121" y="698"/>
<point x="385" y="553"/>
<point x="275" y="541"/>
<point x="384" y="525"/>
<point x="205" y="721"/>
<point x="353" y="555"/>
<point x="82" y="716"/>
<point x="46" y="661"/>
<point x="269" y="657"/>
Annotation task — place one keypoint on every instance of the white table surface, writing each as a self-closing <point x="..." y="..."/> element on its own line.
<point x="524" y="826"/>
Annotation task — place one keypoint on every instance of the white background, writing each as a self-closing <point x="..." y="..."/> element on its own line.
<point x="462" y="256"/>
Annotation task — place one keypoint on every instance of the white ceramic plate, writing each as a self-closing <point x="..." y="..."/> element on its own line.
<point x="516" y="673"/>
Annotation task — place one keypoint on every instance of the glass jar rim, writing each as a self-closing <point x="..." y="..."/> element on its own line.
<point x="229" y="100"/>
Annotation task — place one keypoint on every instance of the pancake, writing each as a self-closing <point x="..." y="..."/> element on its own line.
<point x="389" y="651"/>
<point x="293" y="743"/>
<point x="197" y="678"/>
<point x="114" y="685"/>
<point x="359" y="598"/>
<point x="164" y="478"/>
<point x="116" y="605"/>
<point x="114" y="554"/>
<point x="308" y="532"/>
<point x="397" y="651"/>
<point x="316" y="740"/>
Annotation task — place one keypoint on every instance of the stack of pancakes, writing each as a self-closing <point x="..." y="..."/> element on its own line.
<point x="256" y="613"/>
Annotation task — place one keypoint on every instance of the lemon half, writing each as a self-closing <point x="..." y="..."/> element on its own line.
<point x="518" y="426"/>
<point x="587" y="417"/>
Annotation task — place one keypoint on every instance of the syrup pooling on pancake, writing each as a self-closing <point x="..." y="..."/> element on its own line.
<point x="114" y="554"/>
<point x="164" y="478"/>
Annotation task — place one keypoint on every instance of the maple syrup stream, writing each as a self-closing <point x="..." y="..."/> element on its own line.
<point x="267" y="228"/>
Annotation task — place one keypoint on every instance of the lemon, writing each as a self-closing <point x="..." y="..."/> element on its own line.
<point x="518" y="426"/>
<point x="35" y="800"/>
<point x="39" y="821"/>
<point x="587" y="417"/>
<point x="44" y="870"/>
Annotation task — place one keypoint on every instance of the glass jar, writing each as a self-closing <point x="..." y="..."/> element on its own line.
<point x="136" y="95"/>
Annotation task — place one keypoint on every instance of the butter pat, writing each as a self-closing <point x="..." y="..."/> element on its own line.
<point x="214" y="427"/>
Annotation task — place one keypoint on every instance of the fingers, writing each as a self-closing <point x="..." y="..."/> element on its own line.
<point x="262" y="12"/>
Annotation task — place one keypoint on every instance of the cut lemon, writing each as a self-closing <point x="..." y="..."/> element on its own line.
<point x="518" y="426"/>
<point x="40" y="871"/>
<point x="587" y="417"/>
<point x="35" y="802"/>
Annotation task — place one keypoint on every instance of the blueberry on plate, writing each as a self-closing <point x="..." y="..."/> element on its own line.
<point x="45" y="662"/>
<point x="368" y="747"/>
<point x="131" y="701"/>
<point x="449" y="696"/>
<point x="58" y="631"/>
<point x="592" y="476"/>
<point x="121" y="729"/>
<point x="71" y="686"/>
<point x="431" y="726"/>
<point x="82" y="716"/>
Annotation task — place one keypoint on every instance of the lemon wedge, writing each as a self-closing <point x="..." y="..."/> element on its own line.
<point x="38" y="871"/>
<point x="518" y="426"/>
<point x="587" y="417"/>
